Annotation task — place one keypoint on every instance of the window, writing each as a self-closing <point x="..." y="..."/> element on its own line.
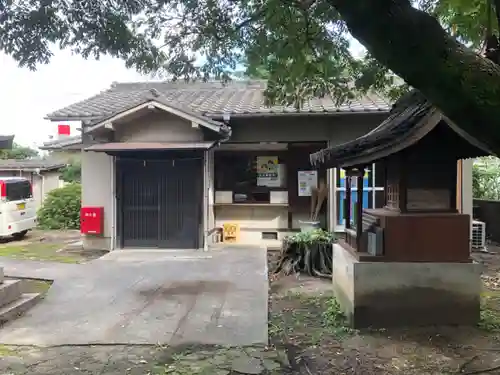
<point x="250" y="175"/>
<point x="393" y="195"/>
<point x="18" y="190"/>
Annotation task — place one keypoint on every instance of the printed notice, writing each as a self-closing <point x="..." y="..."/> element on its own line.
<point x="308" y="180"/>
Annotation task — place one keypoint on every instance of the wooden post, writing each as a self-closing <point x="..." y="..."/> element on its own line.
<point x="459" y="186"/>
<point x="403" y="183"/>
<point x="359" y="211"/>
<point x="347" y="200"/>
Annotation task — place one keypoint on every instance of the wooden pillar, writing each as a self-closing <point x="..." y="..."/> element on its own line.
<point x="359" y="211"/>
<point x="347" y="205"/>
<point x="459" y="186"/>
<point x="403" y="183"/>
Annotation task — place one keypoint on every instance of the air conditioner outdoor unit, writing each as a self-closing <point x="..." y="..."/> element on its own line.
<point x="478" y="235"/>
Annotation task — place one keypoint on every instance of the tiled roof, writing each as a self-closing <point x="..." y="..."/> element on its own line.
<point x="64" y="141"/>
<point x="410" y="120"/>
<point x="210" y="99"/>
<point x="403" y="121"/>
<point x="15" y="164"/>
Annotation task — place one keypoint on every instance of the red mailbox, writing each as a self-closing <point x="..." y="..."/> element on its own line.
<point x="91" y="220"/>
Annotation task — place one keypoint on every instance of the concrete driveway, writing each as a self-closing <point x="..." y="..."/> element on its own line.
<point x="151" y="297"/>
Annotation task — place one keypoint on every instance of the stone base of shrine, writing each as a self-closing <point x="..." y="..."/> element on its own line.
<point x="379" y="294"/>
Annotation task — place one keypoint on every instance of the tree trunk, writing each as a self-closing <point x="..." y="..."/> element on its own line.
<point x="462" y="84"/>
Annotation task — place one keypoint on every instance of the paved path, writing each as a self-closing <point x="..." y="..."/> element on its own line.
<point x="149" y="297"/>
<point x="37" y="269"/>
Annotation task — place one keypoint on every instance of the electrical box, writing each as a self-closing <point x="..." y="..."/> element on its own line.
<point x="92" y="220"/>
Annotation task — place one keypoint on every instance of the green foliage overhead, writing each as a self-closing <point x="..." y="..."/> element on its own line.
<point x="300" y="46"/>
<point x="72" y="172"/>
<point x="318" y="236"/>
<point x="486" y="178"/>
<point x="18" y="152"/>
<point x="465" y="19"/>
<point x="61" y="208"/>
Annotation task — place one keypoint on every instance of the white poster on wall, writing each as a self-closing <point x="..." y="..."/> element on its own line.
<point x="307" y="181"/>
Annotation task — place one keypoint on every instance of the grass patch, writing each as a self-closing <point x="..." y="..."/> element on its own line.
<point x="490" y="315"/>
<point x="36" y="286"/>
<point x="306" y="319"/>
<point x="6" y="351"/>
<point x="33" y="285"/>
<point x="38" y="251"/>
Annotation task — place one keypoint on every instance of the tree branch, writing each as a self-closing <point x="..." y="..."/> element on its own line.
<point x="497" y="11"/>
<point x="411" y="43"/>
<point x="251" y="19"/>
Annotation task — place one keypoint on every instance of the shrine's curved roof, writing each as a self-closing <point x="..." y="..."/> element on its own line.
<point x="411" y="118"/>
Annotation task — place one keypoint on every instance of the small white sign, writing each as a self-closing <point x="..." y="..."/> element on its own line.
<point x="307" y="180"/>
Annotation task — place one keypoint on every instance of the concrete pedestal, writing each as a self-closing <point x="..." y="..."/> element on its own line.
<point x="378" y="294"/>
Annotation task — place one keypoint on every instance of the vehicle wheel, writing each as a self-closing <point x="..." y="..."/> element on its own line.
<point x="19" y="235"/>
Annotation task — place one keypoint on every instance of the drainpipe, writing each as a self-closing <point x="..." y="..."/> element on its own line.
<point x="206" y="203"/>
<point x="42" y="185"/>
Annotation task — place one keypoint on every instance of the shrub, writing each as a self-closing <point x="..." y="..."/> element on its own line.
<point x="61" y="208"/>
<point x="72" y="172"/>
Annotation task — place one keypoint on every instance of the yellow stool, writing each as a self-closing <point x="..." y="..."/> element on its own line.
<point x="230" y="232"/>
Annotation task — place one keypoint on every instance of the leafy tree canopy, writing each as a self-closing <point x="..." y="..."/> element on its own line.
<point x="300" y="46"/>
<point x="18" y="152"/>
<point x="72" y="172"/>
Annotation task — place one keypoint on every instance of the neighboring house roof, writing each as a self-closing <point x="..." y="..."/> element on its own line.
<point x="62" y="143"/>
<point x="209" y="99"/>
<point x="29" y="165"/>
<point x="411" y="118"/>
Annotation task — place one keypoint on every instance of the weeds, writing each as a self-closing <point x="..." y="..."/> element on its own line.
<point x="489" y="320"/>
<point x="308" y="319"/>
<point x="334" y="319"/>
<point x="6" y="351"/>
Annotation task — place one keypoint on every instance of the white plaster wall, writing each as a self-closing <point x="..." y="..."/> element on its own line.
<point x="210" y="191"/>
<point x="336" y="129"/>
<point x="97" y="183"/>
<point x="50" y="182"/>
<point x="157" y="127"/>
<point x="248" y="217"/>
<point x="41" y="187"/>
<point x="36" y="183"/>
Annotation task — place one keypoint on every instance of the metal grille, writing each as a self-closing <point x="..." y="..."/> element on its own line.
<point x="159" y="202"/>
<point x="478" y="235"/>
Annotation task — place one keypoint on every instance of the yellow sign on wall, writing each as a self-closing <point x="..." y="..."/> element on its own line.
<point x="230" y="232"/>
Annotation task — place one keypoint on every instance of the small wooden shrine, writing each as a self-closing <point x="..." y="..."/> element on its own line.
<point x="419" y="149"/>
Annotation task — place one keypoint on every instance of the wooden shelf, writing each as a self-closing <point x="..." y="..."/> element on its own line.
<point x="252" y="204"/>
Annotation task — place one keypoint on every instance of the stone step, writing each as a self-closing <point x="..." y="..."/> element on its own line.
<point x="10" y="290"/>
<point x="18" y="307"/>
